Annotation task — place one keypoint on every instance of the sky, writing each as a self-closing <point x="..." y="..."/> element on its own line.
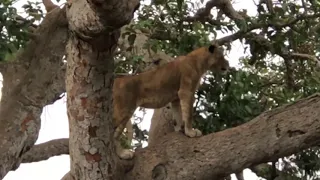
<point x="54" y="122"/>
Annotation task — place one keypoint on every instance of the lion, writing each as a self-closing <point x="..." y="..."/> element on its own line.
<point x="174" y="82"/>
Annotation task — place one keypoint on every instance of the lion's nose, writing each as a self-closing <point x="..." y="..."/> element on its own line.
<point x="223" y="69"/>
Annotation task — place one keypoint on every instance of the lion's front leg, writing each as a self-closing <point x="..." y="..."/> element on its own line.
<point x="186" y="103"/>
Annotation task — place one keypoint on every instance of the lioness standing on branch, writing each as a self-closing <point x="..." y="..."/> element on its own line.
<point x="175" y="82"/>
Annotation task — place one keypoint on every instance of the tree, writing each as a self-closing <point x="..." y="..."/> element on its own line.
<point x="245" y="114"/>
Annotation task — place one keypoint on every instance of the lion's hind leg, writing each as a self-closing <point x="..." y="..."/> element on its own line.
<point x="121" y="152"/>
<point x="176" y="112"/>
<point x="122" y="116"/>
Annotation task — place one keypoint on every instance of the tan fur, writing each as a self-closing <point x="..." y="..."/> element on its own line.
<point x="160" y="61"/>
<point x="174" y="82"/>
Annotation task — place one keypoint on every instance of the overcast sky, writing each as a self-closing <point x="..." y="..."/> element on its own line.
<point x="55" y="123"/>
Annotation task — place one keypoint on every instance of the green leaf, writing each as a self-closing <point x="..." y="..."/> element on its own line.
<point x="241" y="84"/>
<point x="154" y="48"/>
<point x="136" y="58"/>
<point x="8" y="57"/>
<point x="248" y="109"/>
<point x="242" y="25"/>
<point x="316" y="78"/>
<point x="12" y="48"/>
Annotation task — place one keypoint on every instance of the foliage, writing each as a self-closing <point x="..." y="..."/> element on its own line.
<point x="14" y="28"/>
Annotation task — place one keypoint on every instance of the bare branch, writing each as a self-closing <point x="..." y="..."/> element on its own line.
<point x="241" y="34"/>
<point x="267" y="137"/>
<point x="282" y="53"/>
<point x="46" y="150"/>
<point x="224" y="5"/>
<point x="22" y="21"/>
<point x="306" y="56"/>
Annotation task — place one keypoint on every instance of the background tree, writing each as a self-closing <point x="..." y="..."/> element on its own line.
<point x="279" y="67"/>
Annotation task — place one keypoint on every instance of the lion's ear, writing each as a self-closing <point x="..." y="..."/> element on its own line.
<point x="212" y="48"/>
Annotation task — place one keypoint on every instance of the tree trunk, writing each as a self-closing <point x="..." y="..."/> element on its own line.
<point x="89" y="80"/>
<point x="24" y="95"/>
<point x="89" y="88"/>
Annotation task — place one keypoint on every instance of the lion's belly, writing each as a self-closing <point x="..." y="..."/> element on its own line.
<point x="156" y="101"/>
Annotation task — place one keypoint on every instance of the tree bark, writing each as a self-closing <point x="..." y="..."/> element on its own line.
<point x="46" y="150"/>
<point x="95" y="30"/>
<point x="24" y="95"/>
<point x="89" y="85"/>
<point x="162" y="123"/>
<point x="267" y="137"/>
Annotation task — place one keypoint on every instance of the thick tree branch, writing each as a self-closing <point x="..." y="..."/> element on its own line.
<point x="24" y="94"/>
<point x="14" y="70"/>
<point x="46" y="150"/>
<point x="265" y="138"/>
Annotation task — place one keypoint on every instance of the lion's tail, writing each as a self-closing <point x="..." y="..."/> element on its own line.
<point x="129" y="128"/>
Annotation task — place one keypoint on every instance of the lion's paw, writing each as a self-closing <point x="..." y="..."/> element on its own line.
<point x="126" y="154"/>
<point x="198" y="132"/>
<point x="193" y="132"/>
